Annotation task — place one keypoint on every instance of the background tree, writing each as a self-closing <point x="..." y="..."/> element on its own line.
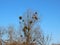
<point x="2" y="32"/>
<point x="32" y="31"/>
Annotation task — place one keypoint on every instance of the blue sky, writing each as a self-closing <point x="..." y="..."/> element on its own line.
<point x="49" y="10"/>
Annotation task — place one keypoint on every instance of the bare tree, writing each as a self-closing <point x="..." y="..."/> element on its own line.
<point x="2" y="32"/>
<point x="29" y="20"/>
<point x="0" y="36"/>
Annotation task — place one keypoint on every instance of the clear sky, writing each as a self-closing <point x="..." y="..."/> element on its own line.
<point x="48" y="9"/>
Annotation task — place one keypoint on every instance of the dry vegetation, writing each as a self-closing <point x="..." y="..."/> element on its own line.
<point x="32" y="34"/>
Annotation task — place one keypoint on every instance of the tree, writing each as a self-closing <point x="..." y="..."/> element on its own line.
<point x="33" y="35"/>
